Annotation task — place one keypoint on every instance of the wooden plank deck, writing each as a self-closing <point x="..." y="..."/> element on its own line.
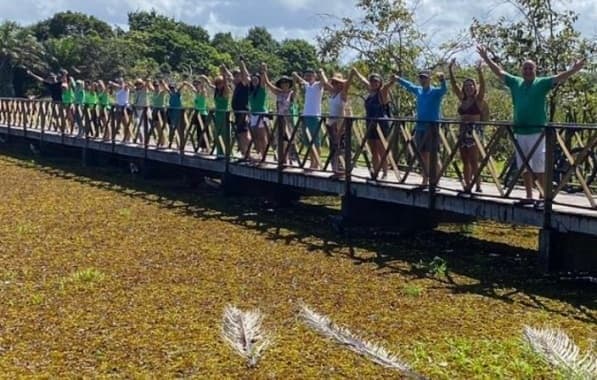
<point x="571" y="213"/>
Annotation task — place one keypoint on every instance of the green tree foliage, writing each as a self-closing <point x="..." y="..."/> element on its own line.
<point x="548" y="37"/>
<point x="385" y="39"/>
<point x="66" y="24"/>
<point x="261" y="39"/>
<point x="18" y="48"/>
<point x="154" y="22"/>
<point x="297" y="55"/>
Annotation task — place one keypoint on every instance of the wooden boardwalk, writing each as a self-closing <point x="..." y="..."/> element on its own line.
<point x="571" y="212"/>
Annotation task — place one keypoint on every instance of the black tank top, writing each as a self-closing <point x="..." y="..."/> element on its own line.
<point x="240" y="97"/>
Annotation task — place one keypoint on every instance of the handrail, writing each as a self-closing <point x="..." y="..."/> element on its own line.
<point x="352" y="148"/>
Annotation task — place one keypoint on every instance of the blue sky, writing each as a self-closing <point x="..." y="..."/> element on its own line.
<point x="440" y="19"/>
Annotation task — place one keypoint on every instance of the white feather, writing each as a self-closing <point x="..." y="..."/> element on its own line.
<point x="378" y="354"/>
<point x="242" y="330"/>
<point x="559" y="350"/>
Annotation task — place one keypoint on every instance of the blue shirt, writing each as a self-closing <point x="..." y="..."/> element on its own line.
<point x="429" y="102"/>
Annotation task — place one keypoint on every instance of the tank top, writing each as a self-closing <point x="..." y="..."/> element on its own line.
<point x="221" y="103"/>
<point x="337" y="106"/>
<point x="103" y="99"/>
<point x="91" y="98"/>
<point x="284" y="102"/>
<point x="240" y="97"/>
<point x="257" y="100"/>
<point x="472" y="109"/>
<point x="175" y="99"/>
<point x="201" y="104"/>
<point x="158" y="99"/>
<point x="373" y="106"/>
<point x="80" y="96"/>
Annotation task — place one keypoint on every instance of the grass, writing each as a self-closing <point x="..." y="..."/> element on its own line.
<point x="147" y="268"/>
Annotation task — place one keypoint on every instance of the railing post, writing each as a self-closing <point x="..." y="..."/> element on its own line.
<point x="433" y="158"/>
<point x="145" y="131"/>
<point x="348" y="125"/>
<point x="281" y="123"/>
<point x="545" y="243"/>
<point x="227" y="141"/>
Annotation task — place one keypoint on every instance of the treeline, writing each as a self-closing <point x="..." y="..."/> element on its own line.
<point x="153" y="46"/>
<point x="385" y="39"/>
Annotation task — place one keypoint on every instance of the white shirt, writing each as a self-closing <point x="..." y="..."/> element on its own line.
<point x="313" y="97"/>
<point x="122" y="97"/>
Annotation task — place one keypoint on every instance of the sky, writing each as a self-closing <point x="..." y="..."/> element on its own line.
<point x="440" y="19"/>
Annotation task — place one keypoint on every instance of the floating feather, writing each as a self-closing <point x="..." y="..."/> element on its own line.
<point x="378" y="354"/>
<point x="560" y="351"/>
<point x="242" y="330"/>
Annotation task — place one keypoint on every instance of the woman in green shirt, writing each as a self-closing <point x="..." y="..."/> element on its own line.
<point x="91" y="100"/>
<point x="199" y="121"/>
<point x="258" y="122"/>
<point x="79" y="87"/>
<point x="68" y="98"/>
<point x="159" y="104"/>
<point x="221" y="123"/>
<point x="104" y="101"/>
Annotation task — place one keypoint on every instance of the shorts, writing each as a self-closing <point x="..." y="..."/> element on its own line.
<point x="372" y="131"/>
<point x="537" y="160"/>
<point x="311" y="124"/>
<point x="423" y="140"/>
<point x="240" y="122"/>
<point x="466" y="134"/>
<point x="258" y="121"/>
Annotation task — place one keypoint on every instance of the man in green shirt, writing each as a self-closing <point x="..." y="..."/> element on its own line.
<point x="529" y="94"/>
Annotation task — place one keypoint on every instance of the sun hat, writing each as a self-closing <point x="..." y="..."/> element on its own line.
<point x="338" y="77"/>
<point x="283" y="79"/>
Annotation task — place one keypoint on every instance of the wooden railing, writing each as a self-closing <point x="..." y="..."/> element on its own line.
<point x="358" y="149"/>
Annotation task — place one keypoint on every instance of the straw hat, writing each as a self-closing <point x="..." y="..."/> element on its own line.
<point x="338" y="77"/>
<point x="283" y="79"/>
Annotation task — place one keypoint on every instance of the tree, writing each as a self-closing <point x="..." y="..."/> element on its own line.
<point x="385" y="39"/>
<point x="18" y="48"/>
<point x="297" y="55"/>
<point x="153" y="22"/>
<point x="261" y="39"/>
<point x="69" y="23"/>
<point x="549" y="38"/>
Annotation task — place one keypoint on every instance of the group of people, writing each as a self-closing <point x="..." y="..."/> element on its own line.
<point x="245" y="96"/>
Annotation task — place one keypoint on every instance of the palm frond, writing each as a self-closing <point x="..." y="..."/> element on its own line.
<point x="242" y="330"/>
<point x="559" y="350"/>
<point x="376" y="353"/>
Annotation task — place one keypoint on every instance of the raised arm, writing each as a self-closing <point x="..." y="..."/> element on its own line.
<point x="355" y="73"/>
<point x="344" y="93"/>
<point x="323" y="79"/>
<point x="453" y="83"/>
<point x="385" y="90"/>
<point x="563" y="76"/>
<point x="443" y="87"/>
<point x="226" y="91"/>
<point x="299" y="79"/>
<point x="408" y="85"/>
<point x="497" y="70"/>
<point x="72" y="82"/>
<point x="102" y="85"/>
<point x="266" y="81"/>
<point x="36" y="77"/>
<point x="245" y="76"/>
<point x="207" y="82"/>
<point x="481" y="91"/>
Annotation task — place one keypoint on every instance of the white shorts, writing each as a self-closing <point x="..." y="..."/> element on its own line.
<point x="537" y="160"/>
<point x="258" y="119"/>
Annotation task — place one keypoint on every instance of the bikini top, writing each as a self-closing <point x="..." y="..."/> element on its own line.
<point x="472" y="109"/>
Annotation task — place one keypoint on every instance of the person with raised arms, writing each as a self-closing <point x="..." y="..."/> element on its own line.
<point x="285" y="105"/>
<point x="258" y="122"/>
<point x="122" y="103"/>
<point x="52" y="84"/>
<point x="241" y="79"/>
<point x="159" y="106"/>
<point x="429" y="100"/>
<point x="105" y="104"/>
<point x="377" y="110"/>
<point x="472" y="109"/>
<point x="199" y="120"/>
<point x="338" y="88"/>
<point x="222" y="91"/>
<point x="311" y="114"/>
<point x="529" y="94"/>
